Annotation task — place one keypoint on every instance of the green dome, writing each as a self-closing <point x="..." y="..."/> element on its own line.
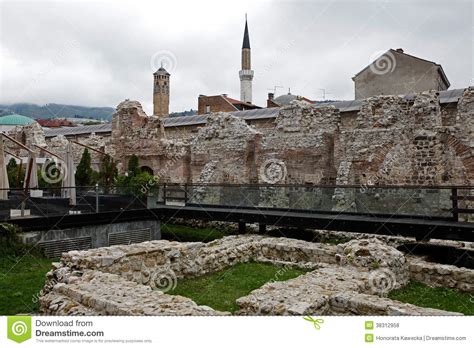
<point x="15" y="120"/>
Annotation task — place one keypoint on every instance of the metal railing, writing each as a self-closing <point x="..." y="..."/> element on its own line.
<point x="429" y="202"/>
<point x="455" y="203"/>
<point x="45" y="202"/>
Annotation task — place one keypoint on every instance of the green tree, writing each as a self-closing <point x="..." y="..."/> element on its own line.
<point x="133" y="166"/>
<point x="16" y="174"/>
<point x="84" y="171"/>
<point x="141" y="183"/>
<point x="108" y="172"/>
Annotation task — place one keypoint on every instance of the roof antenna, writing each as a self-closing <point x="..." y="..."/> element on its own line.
<point x="274" y="89"/>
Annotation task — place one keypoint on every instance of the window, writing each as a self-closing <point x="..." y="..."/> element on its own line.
<point x="207" y="109"/>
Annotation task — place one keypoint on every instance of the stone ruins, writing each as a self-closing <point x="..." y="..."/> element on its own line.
<point x="387" y="140"/>
<point x="350" y="279"/>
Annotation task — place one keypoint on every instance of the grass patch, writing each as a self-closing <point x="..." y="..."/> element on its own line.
<point x="441" y="298"/>
<point x="21" y="279"/>
<point x="220" y="290"/>
<point x="190" y="234"/>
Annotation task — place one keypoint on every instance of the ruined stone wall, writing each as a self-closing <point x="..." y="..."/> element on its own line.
<point x="223" y="151"/>
<point x="263" y="125"/>
<point x="135" y="133"/>
<point x="183" y="133"/>
<point x="34" y="134"/>
<point x="391" y="140"/>
<point x="103" y="143"/>
<point x="303" y="140"/>
<point x="399" y="142"/>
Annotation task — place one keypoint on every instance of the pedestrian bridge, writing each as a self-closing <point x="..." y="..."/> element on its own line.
<point x="442" y="212"/>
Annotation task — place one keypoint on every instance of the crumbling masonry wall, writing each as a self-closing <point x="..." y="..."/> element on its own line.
<point x="392" y="140"/>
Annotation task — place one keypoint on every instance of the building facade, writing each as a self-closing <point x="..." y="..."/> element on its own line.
<point x="221" y="103"/>
<point x="398" y="73"/>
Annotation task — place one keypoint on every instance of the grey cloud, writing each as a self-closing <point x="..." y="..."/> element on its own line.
<point x="99" y="54"/>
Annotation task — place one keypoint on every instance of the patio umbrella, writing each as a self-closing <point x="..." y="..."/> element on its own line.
<point x="4" y="185"/>
<point x="69" y="180"/>
<point x="33" y="182"/>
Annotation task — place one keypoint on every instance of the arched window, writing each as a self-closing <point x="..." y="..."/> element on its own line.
<point x="146" y="169"/>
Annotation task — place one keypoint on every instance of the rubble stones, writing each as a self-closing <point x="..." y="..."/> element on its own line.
<point x="132" y="279"/>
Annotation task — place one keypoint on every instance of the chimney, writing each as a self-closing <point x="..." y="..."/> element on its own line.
<point x="271" y="96"/>
<point x="399" y="50"/>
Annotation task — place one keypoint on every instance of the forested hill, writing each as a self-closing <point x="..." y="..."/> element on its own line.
<point x="57" y="111"/>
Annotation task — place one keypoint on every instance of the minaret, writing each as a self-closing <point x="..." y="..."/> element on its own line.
<point x="161" y="92"/>
<point x="246" y="74"/>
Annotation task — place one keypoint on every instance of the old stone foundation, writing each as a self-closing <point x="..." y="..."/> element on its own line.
<point x="351" y="278"/>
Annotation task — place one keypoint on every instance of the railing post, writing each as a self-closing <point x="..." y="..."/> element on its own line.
<point x="242" y="228"/>
<point x="185" y="194"/>
<point x="96" y="198"/>
<point x="22" y="206"/>
<point x="454" y="199"/>
<point x="164" y="193"/>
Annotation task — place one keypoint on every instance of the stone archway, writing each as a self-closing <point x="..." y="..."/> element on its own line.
<point x="146" y="169"/>
<point x="465" y="158"/>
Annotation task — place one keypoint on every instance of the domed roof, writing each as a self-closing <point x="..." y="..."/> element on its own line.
<point x="285" y="99"/>
<point x="15" y="120"/>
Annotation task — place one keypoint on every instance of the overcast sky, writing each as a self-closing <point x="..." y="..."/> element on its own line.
<point x="100" y="53"/>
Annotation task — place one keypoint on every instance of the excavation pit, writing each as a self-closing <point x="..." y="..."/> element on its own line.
<point x="350" y="278"/>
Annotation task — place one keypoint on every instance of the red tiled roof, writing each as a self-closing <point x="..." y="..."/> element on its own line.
<point x="55" y="123"/>
<point x="235" y="101"/>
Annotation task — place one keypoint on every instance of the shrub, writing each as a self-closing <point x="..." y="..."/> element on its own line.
<point x="9" y="243"/>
